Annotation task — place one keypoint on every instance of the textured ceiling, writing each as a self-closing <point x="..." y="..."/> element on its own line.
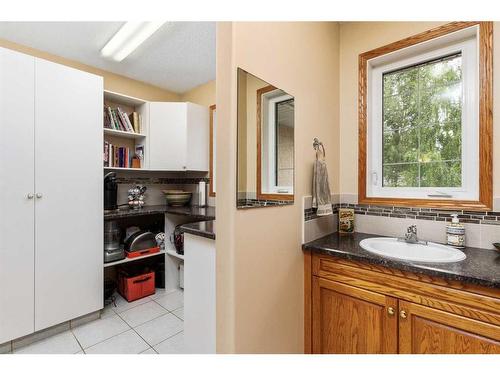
<point x="178" y="57"/>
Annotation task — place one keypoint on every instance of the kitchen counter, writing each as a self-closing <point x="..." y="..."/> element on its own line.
<point x="481" y="267"/>
<point x="202" y="228"/>
<point x="194" y="212"/>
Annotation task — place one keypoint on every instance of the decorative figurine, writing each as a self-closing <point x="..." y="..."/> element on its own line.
<point x="136" y="196"/>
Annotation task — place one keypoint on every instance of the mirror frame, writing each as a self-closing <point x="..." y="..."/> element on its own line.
<point x="262" y="195"/>
<point x="211" y="192"/>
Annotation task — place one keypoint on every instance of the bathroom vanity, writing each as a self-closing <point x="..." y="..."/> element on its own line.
<point x="359" y="302"/>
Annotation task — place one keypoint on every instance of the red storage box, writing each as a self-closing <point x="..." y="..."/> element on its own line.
<point x="136" y="287"/>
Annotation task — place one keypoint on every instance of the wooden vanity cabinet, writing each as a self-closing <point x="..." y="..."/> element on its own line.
<point x="425" y="330"/>
<point x="347" y="320"/>
<point x="358" y="308"/>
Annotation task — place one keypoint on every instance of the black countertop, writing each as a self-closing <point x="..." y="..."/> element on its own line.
<point x="481" y="267"/>
<point x="200" y="228"/>
<point x="194" y="212"/>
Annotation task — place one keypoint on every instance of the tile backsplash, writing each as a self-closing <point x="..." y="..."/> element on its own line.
<point x="482" y="228"/>
<point x="155" y="184"/>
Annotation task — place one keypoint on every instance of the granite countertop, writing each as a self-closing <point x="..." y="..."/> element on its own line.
<point x="195" y="212"/>
<point x="200" y="228"/>
<point x="481" y="267"/>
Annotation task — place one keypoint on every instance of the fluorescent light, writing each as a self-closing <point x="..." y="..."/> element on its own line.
<point x="130" y="36"/>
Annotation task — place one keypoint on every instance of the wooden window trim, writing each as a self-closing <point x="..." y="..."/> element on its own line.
<point x="485" y="43"/>
<point x="211" y="192"/>
<point x="260" y="194"/>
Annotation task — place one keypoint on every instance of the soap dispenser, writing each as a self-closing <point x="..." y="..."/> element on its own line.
<point x="455" y="233"/>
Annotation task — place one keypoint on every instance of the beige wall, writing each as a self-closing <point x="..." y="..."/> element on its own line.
<point x="202" y="95"/>
<point x="112" y="82"/>
<point x="259" y="257"/>
<point x="359" y="37"/>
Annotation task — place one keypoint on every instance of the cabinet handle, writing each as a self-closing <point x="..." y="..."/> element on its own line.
<point x="390" y="310"/>
<point x="39" y="195"/>
<point x="30" y="196"/>
<point x="403" y="314"/>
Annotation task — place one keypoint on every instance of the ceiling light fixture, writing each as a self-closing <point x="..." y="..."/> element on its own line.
<point x="130" y="36"/>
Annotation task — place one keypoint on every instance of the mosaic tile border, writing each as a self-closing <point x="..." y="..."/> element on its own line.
<point x="419" y="213"/>
<point x="310" y="213"/>
<point x="254" y="203"/>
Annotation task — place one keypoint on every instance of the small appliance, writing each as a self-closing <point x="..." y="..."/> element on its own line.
<point x="110" y="191"/>
<point x="113" y="251"/>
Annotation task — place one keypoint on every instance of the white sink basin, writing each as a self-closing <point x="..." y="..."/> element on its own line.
<point x="397" y="249"/>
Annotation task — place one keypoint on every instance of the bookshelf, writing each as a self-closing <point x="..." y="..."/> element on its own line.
<point x="125" y="143"/>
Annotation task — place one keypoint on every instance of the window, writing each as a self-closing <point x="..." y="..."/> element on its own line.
<point x="276" y="128"/>
<point x="422" y="125"/>
<point x="283" y="146"/>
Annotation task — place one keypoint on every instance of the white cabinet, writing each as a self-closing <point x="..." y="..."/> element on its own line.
<point x="68" y="175"/>
<point x="199" y="295"/>
<point x="16" y="183"/>
<point x="51" y="218"/>
<point x="178" y="136"/>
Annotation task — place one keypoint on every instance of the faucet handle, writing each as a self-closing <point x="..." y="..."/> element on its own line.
<point x="412" y="229"/>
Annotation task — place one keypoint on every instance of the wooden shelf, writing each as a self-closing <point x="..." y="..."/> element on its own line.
<point x="127" y="260"/>
<point x="174" y="254"/>
<point x="123" y="134"/>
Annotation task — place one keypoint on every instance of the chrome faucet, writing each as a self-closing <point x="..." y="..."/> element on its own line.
<point x="411" y="234"/>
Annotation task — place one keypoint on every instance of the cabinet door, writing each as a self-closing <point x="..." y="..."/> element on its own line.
<point x="167" y="136"/>
<point x="349" y="320"/>
<point x="16" y="182"/>
<point x="198" y="137"/>
<point x="424" y="330"/>
<point x="69" y="179"/>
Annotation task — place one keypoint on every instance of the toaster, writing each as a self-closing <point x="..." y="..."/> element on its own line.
<point x="140" y="243"/>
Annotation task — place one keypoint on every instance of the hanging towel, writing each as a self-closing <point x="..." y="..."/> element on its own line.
<point x="321" y="189"/>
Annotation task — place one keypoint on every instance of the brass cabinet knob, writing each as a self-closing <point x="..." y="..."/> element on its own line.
<point x="390" y="310"/>
<point x="403" y="314"/>
<point x="30" y="196"/>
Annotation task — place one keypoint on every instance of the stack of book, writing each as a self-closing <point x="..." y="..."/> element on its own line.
<point x="122" y="157"/>
<point x="116" y="119"/>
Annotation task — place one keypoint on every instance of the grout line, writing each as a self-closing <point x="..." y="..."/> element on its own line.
<point x="147" y="321"/>
<point x="168" y="338"/>
<point x="151" y="346"/>
<point x="146" y="300"/>
<point x="76" y="338"/>
<point x="132" y="328"/>
<point x="100" y="342"/>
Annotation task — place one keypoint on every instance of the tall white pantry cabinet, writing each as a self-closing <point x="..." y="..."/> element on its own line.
<point x="51" y="208"/>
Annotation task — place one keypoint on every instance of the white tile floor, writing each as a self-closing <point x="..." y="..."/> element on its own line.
<point x="152" y="325"/>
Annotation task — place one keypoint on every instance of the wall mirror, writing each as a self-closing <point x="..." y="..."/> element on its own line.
<point x="266" y="123"/>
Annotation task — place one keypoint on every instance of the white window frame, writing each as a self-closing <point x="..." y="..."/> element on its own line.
<point x="268" y="142"/>
<point x="464" y="42"/>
